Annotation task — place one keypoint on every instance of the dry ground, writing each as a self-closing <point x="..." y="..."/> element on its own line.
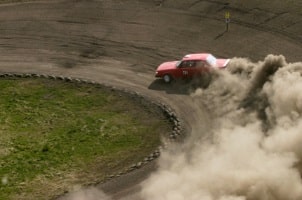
<point x="120" y="43"/>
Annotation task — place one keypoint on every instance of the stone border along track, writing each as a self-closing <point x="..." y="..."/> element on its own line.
<point x="176" y="132"/>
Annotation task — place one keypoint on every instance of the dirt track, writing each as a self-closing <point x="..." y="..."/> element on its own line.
<point x="121" y="42"/>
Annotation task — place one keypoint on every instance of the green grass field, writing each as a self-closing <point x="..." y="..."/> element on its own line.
<point x="57" y="135"/>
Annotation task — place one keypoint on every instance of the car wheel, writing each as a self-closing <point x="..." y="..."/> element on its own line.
<point x="167" y="78"/>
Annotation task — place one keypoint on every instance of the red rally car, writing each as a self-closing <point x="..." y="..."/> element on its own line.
<point x="191" y="65"/>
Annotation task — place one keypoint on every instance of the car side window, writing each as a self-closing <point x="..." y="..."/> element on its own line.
<point x="192" y="63"/>
<point x="200" y="63"/>
<point x="187" y="64"/>
<point x="183" y="64"/>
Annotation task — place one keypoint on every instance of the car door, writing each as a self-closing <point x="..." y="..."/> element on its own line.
<point x="201" y="67"/>
<point x="182" y="70"/>
<point x="191" y="69"/>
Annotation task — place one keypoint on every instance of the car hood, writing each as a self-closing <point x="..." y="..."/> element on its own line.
<point x="167" y="65"/>
<point x="222" y="63"/>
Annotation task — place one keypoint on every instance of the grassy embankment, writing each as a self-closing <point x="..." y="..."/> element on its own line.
<point x="57" y="135"/>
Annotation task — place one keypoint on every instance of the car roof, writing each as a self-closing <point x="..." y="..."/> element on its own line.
<point x="196" y="56"/>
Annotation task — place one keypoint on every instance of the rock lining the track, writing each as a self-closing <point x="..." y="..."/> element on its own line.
<point x="175" y="133"/>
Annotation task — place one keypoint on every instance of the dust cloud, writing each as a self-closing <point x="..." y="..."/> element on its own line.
<point x="87" y="194"/>
<point x="253" y="150"/>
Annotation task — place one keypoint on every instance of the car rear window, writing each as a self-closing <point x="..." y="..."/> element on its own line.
<point x="211" y="60"/>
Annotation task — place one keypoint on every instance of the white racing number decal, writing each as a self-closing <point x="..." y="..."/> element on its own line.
<point x="185" y="72"/>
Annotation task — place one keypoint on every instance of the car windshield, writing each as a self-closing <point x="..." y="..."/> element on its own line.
<point x="211" y="60"/>
<point x="178" y="63"/>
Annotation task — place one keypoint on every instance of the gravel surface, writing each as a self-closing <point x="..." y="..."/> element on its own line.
<point x="121" y="42"/>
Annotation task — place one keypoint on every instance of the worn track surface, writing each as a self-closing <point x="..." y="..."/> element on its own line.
<point x="120" y="43"/>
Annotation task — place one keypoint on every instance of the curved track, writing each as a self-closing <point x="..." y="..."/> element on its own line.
<point x="120" y="43"/>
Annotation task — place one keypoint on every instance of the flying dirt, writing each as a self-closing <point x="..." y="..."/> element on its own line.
<point x="254" y="150"/>
<point x="244" y="138"/>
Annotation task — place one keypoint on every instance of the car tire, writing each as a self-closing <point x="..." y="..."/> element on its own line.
<point x="167" y="78"/>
